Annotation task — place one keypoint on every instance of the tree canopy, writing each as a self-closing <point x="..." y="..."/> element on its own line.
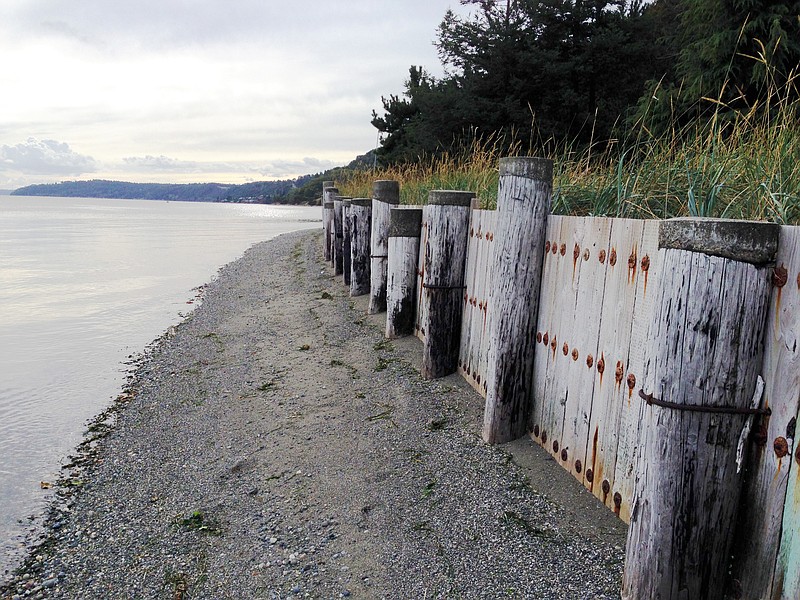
<point x="582" y="70"/>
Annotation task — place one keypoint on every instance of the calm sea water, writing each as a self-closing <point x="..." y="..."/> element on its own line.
<point x="84" y="283"/>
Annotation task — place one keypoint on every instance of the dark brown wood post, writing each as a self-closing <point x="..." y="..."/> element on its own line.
<point x="385" y="195"/>
<point x="360" y="234"/>
<point x="701" y="374"/>
<point x="346" y="250"/>
<point x="447" y="222"/>
<point x="405" y="225"/>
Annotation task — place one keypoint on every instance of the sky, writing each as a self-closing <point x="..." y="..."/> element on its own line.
<point x="184" y="91"/>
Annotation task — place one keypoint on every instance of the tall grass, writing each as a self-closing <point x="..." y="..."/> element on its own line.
<point x="741" y="164"/>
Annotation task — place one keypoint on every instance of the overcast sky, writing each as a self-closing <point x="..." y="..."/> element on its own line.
<point x="200" y="90"/>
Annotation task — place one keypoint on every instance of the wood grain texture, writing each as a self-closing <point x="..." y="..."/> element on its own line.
<point x="707" y="350"/>
<point x="523" y="204"/>
<point x="770" y="465"/>
<point x="346" y="246"/>
<point x="360" y="225"/>
<point x="401" y="283"/>
<point x="447" y="220"/>
<point x="385" y="195"/>
<point x="338" y="236"/>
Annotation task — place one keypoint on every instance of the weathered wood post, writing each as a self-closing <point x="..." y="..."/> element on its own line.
<point x="523" y="203"/>
<point x="327" y="206"/>
<point x="405" y="225"/>
<point x="446" y="219"/>
<point x="338" y="234"/>
<point x="346" y="250"/>
<point x="706" y="351"/>
<point x="360" y="235"/>
<point x="325" y="241"/>
<point x="385" y="194"/>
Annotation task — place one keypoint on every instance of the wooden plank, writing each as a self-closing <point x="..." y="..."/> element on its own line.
<point x="768" y="474"/>
<point x="422" y="309"/>
<point x="486" y="257"/>
<point x="472" y="274"/>
<point x="786" y="583"/>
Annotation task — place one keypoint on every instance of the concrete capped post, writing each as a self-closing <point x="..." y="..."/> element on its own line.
<point x="446" y="219"/>
<point x="523" y="203"/>
<point x="700" y="384"/>
<point x="405" y="225"/>
<point x="385" y="195"/>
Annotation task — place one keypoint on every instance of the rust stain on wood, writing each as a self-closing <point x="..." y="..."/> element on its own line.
<point x="576" y="253"/>
<point x="586" y="255"/>
<point x="554" y="248"/>
<point x="563" y="250"/>
<point x="547" y="247"/>
<point x="574" y="354"/>
<point x="612" y="257"/>
<point x="601" y="366"/>
<point x="565" y="349"/>
<point x="619" y="372"/>
<point x="645" y="269"/>
<point x="546" y="339"/>
<point x="589" y="361"/>
<point x="601" y="256"/>
<point x="606" y="487"/>
<point x="781" y="447"/>
<point x="553" y="344"/>
<point x="539" y="337"/>
<point x="632" y="262"/>
<point x="631" y="385"/>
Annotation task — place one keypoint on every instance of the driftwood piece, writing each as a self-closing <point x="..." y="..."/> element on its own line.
<point x="523" y="203"/>
<point x="360" y="234"/>
<point x="405" y="225"/>
<point x="707" y="345"/>
<point x="447" y="223"/>
<point x="385" y="195"/>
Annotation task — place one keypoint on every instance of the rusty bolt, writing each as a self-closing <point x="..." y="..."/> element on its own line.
<point x="478" y="379"/>
<point x="544" y="437"/>
<point x="781" y="447"/>
<point x="612" y="258"/>
<point x="631" y="381"/>
<point x="491" y="237"/>
<point x="602" y="256"/>
<point x="536" y="430"/>
<point x="564" y="455"/>
<point x="565" y="349"/>
<point x="632" y="260"/>
<point x="606" y="486"/>
<point x="601" y="365"/>
<point x="563" y="249"/>
<point x="618" y="500"/>
<point x="539" y="337"/>
<point x="589" y="361"/>
<point x="555" y="445"/>
<point x="578" y="466"/>
<point x="574" y="354"/>
<point x="554" y="248"/>
<point x="586" y="257"/>
<point x="576" y="252"/>
<point x="780" y="276"/>
<point x="546" y="339"/>
<point x="646" y="263"/>
<point x="547" y="247"/>
<point x="553" y="343"/>
<point x="619" y="372"/>
<point x="589" y="475"/>
<point x="472" y="232"/>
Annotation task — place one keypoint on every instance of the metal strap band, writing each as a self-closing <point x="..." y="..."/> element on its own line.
<point x="707" y="409"/>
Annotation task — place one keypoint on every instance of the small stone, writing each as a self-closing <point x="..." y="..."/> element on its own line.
<point x="48" y="583"/>
<point x="346" y="594"/>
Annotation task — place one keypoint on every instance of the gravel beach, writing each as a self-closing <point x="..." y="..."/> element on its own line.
<point x="274" y="445"/>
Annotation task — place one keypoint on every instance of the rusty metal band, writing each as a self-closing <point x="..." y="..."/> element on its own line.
<point x="729" y="410"/>
<point x="433" y="286"/>
<point x="379" y="256"/>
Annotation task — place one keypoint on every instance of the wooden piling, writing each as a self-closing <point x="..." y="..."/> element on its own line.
<point x="328" y="195"/>
<point x="446" y="219"/>
<point x="706" y="352"/>
<point x="360" y="235"/>
<point x="385" y="195"/>
<point x="523" y="203"/>
<point x="405" y="225"/>
<point x="338" y="234"/>
<point x="346" y="250"/>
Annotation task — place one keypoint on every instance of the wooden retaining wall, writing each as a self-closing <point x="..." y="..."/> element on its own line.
<point x="596" y="305"/>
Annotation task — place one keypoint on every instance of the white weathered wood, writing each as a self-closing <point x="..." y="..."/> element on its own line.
<point x="786" y="582"/>
<point x="769" y="462"/>
<point x="707" y="350"/>
<point x="523" y="203"/>
<point x="360" y="234"/>
<point x="482" y="286"/>
<point x="447" y="220"/>
<point x="326" y="248"/>
<point x="405" y="225"/>
<point x="346" y="246"/>
<point x="422" y="315"/>
<point x="385" y="195"/>
<point x="328" y="194"/>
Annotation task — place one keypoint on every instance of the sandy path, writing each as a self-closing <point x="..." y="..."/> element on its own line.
<point x="276" y="446"/>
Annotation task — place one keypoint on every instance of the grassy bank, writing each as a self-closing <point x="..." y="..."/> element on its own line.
<point x="738" y="164"/>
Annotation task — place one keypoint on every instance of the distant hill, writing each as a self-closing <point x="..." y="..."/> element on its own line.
<point x="301" y="190"/>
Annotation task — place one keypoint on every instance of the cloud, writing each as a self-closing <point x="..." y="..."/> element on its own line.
<point x="280" y="169"/>
<point x="293" y="168"/>
<point x="45" y="157"/>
